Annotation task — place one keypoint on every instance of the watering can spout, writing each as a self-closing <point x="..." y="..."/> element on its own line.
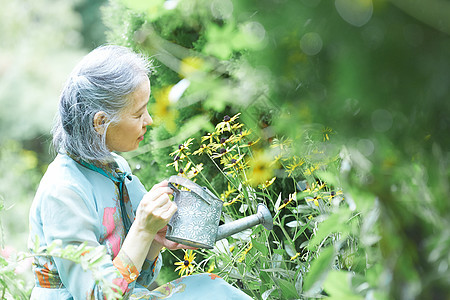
<point x="262" y="217"/>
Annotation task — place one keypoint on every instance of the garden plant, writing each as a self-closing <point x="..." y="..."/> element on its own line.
<point x="334" y="114"/>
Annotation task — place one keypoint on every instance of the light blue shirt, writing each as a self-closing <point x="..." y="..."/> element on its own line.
<point x="75" y="204"/>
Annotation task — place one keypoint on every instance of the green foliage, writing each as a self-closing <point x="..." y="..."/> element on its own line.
<point x="38" y="49"/>
<point x="89" y="258"/>
<point x="92" y="29"/>
<point x="364" y="104"/>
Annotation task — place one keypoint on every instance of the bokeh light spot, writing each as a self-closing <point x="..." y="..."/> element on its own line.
<point x="365" y="146"/>
<point x="311" y="43"/>
<point x="222" y="9"/>
<point x="382" y="120"/>
<point x="355" y="12"/>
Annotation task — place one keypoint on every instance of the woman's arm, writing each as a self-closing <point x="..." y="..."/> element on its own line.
<point x="152" y="215"/>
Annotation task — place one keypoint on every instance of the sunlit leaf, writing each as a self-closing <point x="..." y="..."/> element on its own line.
<point x="278" y="202"/>
<point x="334" y="223"/>
<point x="319" y="269"/>
<point x="337" y="285"/>
<point x="287" y="288"/>
<point x="293" y="224"/>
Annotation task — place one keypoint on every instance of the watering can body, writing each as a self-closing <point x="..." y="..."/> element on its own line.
<point x="196" y="222"/>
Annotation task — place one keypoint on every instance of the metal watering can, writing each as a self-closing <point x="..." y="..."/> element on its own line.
<point x="196" y="222"/>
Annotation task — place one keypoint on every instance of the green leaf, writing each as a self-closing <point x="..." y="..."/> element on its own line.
<point x="143" y="6"/>
<point x="288" y="289"/>
<point x="219" y="40"/>
<point x="301" y="230"/>
<point x="260" y="247"/>
<point x="328" y="177"/>
<point x="334" y="223"/>
<point x="279" y="251"/>
<point x="319" y="268"/>
<point x="337" y="285"/>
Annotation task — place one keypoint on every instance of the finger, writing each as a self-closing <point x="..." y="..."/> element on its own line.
<point x="165" y="206"/>
<point x="163" y="183"/>
<point x="161" y="204"/>
<point x="163" y="230"/>
<point x="154" y="194"/>
<point x="170" y="212"/>
<point x="167" y="211"/>
<point x="154" y="207"/>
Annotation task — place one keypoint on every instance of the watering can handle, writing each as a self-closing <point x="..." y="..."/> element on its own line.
<point x="204" y="193"/>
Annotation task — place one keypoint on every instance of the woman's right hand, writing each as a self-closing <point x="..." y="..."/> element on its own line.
<point x="155" y="209"/>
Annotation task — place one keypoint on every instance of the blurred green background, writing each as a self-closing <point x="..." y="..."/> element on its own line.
<point x="41" y="41"/>
<point x="375" y="72"/>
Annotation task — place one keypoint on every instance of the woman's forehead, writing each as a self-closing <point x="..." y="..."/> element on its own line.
<point x="140" y="96"/>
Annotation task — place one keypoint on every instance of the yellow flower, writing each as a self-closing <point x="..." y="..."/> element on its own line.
<point x="244" y="253"/>
<point x="268" y="183"/>
<point x="225" y="125"/>
<point x="175" y="163"/>
<point x="203" y="149"/>
<point x="190" y="66"/>
<point x="295" y="256"/>
<point x="334" y="194"/>
<point x="222" y="152"/>
<point x="249" y="144"/>
<point x="277" y="158"/>
<point x="236" y="126"/>
<point x="194" y="171"/>
<point x="227" y="193"/>
<point x="296" y="162"/>
<point x="211" y="267"/>
<point x="186" y="266"/>
<point x="292" y="197"/>
<point x="231" y="161"/>
<point x="163" y="110"/>
<point x="283" y="144"/>
<point x="309" y="171"/>
<point x="237" y="198"/>
<point x="326" y="132"/>
<point x="260" y="168"/>
<point x="183" y="149"/>
<point x="239" y="136"/>
<point x="210" y="137"/>
<point x="183" y="171"/>
<point x="315" y="200"/>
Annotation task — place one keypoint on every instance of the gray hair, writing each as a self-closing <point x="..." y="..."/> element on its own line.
<point x="101" y="81"/>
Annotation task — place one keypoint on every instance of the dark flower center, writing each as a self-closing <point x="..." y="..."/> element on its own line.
<point x="181" y="171"/>
<point x="223" y="150"/>
<point x="226" y="118"/>
<point x="186" y="263"/>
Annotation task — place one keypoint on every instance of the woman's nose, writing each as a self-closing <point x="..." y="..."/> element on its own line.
<point x="148" y="120"/>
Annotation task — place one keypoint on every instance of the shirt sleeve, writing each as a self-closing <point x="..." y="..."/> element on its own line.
<point x="67" y="215"/>
<point x="150" y="271"/>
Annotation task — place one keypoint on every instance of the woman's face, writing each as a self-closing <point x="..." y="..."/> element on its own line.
<point x="126" y="135"/>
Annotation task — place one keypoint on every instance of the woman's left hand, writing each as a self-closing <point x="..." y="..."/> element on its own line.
<point x="160" y="238"/>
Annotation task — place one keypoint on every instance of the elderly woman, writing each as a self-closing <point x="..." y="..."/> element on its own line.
<point x="88" y="193"/>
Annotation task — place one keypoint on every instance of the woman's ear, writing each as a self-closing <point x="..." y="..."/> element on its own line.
<point x="99" y="122"/>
